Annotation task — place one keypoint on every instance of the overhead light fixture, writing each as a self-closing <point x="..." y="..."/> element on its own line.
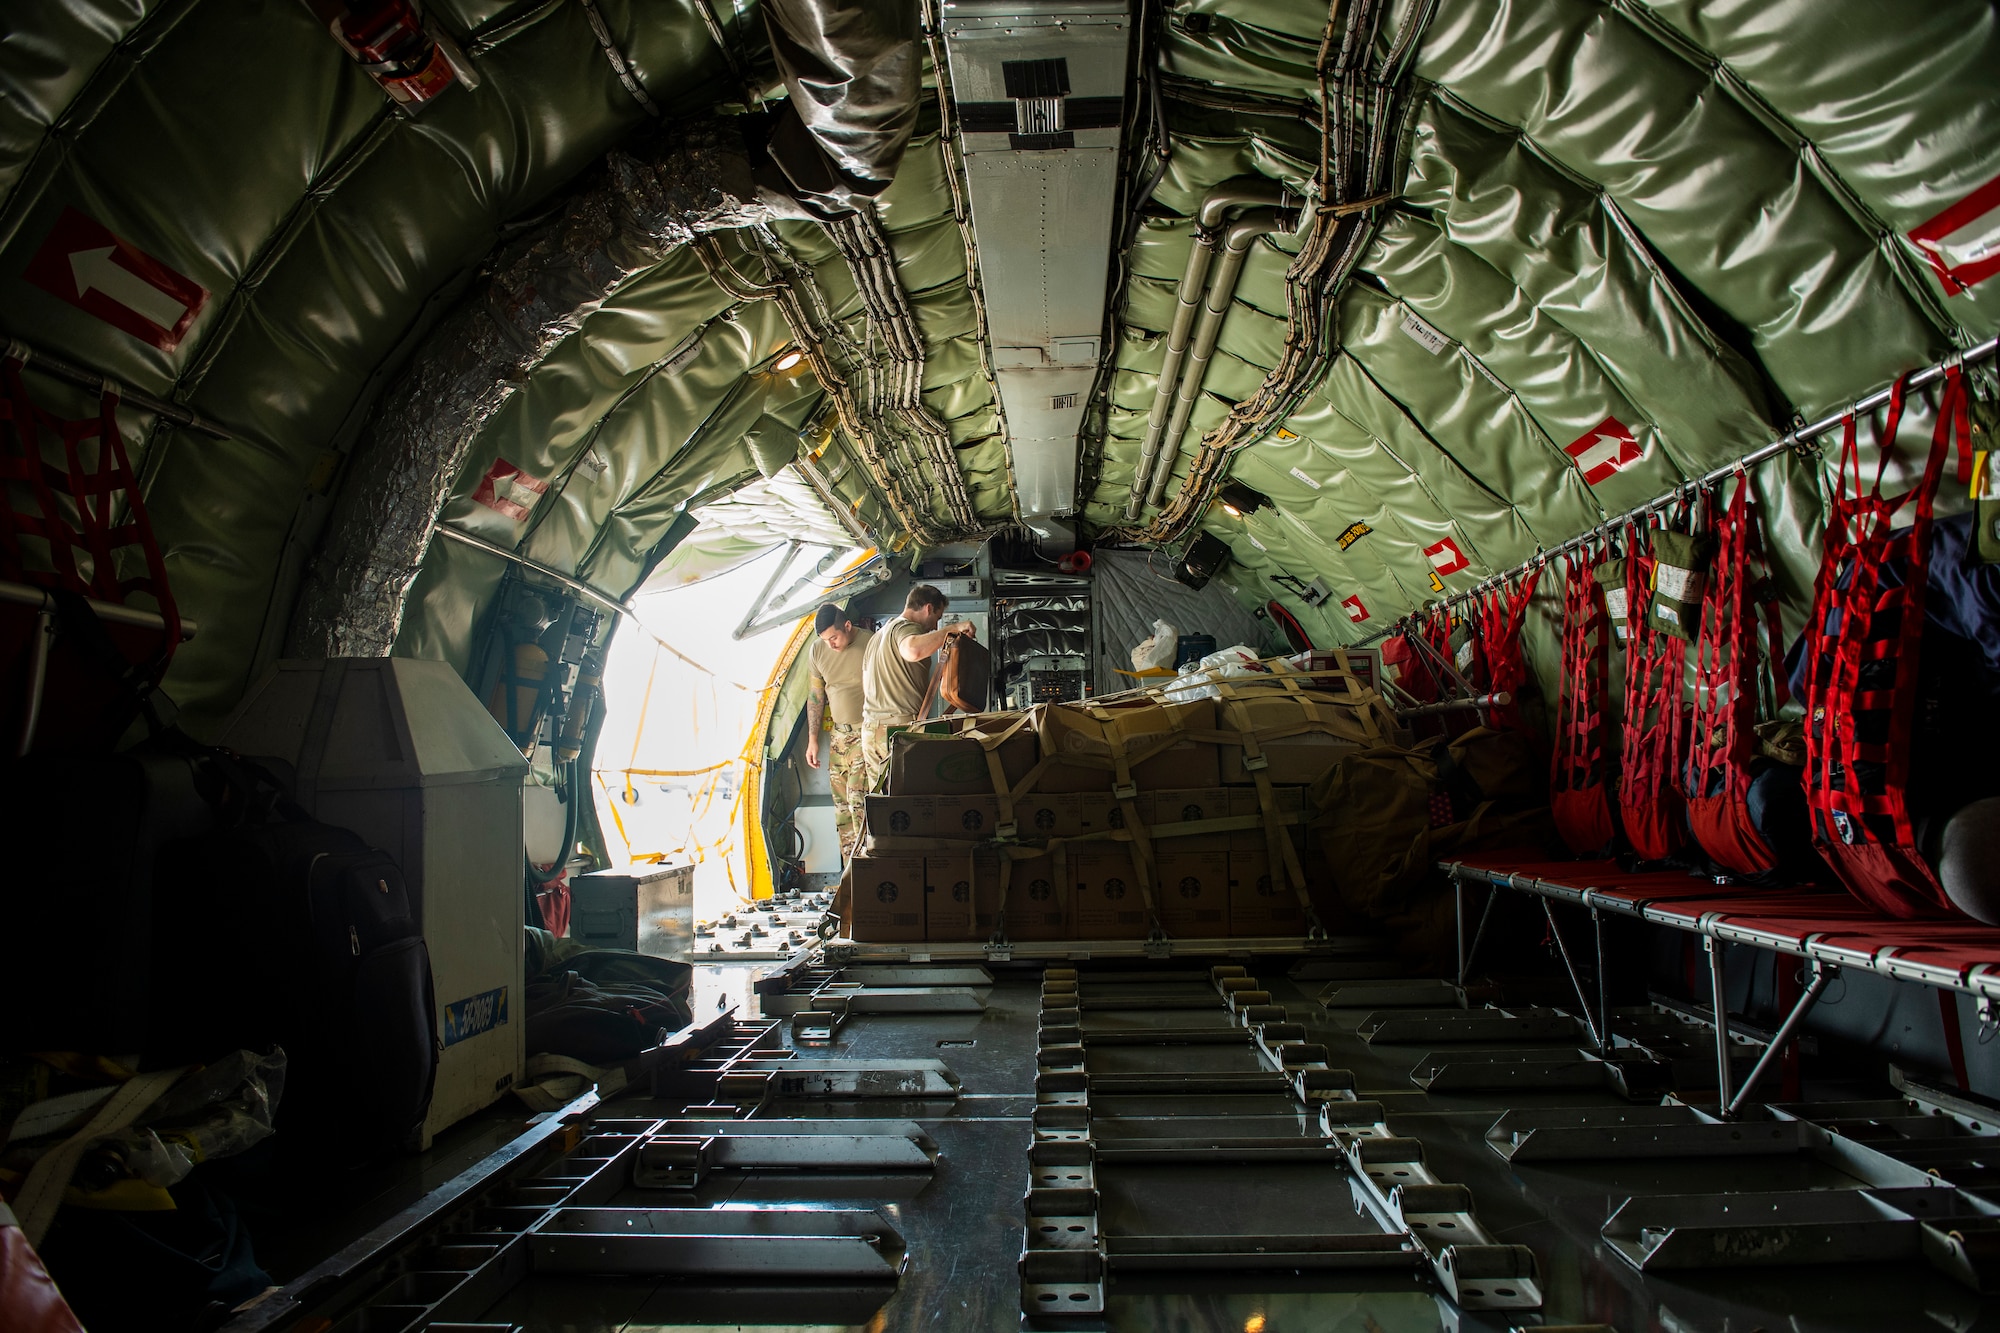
<point x="787" y="359"/>
<point x="1239" y="500"/>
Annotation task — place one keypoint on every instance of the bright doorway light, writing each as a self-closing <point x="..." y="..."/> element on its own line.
<point x="683" y="703"/>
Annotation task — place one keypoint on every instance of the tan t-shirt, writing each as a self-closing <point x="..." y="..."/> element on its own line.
<point x="839" y="674"/>
<point x="892" y="689"/>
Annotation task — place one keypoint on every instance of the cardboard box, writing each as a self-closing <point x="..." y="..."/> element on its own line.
<point x="1261" y="900"/>
<point x="1189" y="804"/>
<point x="899" y="816"/>
<point x="1101" y="812"/>
<point x="1299" y="759"/>
<point x="888" y="899"/>
<point x="1294" y="801"/>
<point x="1194" y="885"/>
<point x="1108" y="902"/>
<point x="924" y="763"/>
<point x="962" y="896"/>
<point x="1082" y="745"/>
<point x="1039" y="905"/>
<point x="966" y="816"/>
<point x="1041" y="815"/>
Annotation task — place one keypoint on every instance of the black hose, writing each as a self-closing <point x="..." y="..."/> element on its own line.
<point x="575" y="789"/>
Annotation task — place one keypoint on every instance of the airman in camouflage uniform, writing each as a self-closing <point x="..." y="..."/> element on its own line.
<point x="835" y="686"/>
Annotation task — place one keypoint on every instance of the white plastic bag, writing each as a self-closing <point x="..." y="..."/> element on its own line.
<point x="1197" y="679"/>
<point x="1158" y="651"/>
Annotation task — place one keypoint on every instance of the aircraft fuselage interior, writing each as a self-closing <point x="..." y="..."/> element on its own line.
<point x="1221" y="666"/>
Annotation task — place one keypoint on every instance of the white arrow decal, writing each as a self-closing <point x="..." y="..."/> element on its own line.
<point x="1604" y="453"/>
<point x="94" y="268"/>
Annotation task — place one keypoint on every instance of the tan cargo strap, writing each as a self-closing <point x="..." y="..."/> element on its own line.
<point x="996" y="772"/>
<point x="895" y="845"/>
<point x="1277" y="846"/>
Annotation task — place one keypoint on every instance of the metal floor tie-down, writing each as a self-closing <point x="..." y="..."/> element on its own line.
<point x="1170" y="1145"/>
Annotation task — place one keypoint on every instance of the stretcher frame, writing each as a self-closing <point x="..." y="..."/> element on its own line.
<point x="1827" y="928"/>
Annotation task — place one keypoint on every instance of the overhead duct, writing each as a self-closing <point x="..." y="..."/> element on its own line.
<point x="1040" y="95"/>
<point x="1176" y="394"/>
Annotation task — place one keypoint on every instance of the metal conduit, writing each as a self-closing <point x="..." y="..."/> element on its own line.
<point x="1221" y="293"/>
<point x="1971" y="356"/>
<point x="1224" y="199"/>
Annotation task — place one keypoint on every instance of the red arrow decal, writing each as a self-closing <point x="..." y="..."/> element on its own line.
<point x="1962" y="244"/>
<point x="520" y="490"/>
<point x="1604" y="450"/>
<point x="1445" y="557"/>
<point x="1356" y="612"/>
<point x="102" y="274"/>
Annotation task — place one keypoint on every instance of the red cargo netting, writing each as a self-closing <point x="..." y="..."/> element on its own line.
<point x="1579" y="794"/>
<point x="1502" y="616"/>
<point x="1734" y="683"/>
<point x="1863" y="654"/>
<point x="1649" y="799"/>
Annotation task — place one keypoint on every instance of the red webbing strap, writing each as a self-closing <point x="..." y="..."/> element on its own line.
<point x="1655" y="667"/>
<point x="76" y="506"/>
<point x="1579" y="749"/>
<point x="1732" y="671"/>
<point x="1502" y="617"/>
<point x="1858" y="735"/>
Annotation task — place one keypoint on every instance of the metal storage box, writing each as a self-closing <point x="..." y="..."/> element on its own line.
<point x="646" y="908"/>
<point x="401" y="751"/>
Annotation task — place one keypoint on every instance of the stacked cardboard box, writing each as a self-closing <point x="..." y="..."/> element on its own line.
<point x="1051" y="824"/>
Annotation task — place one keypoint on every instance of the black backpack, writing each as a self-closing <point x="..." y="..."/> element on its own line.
<point x="280" y="930"/>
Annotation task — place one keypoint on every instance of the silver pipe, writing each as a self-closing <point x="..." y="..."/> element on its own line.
<point x="808" y="467"/>
<point x="1598" y="1039"/>
<point x="1193" y="282"/>
<point x="1971" y="356"/>
<point x="22" y="594"/>
<point x="1214" y="311"/>
<point x="1243" y="192"/>
<point x="570" y="581"/>
<point x="1719" y="996"/>
<point x="1216" y="205"/>
<point x="159" y="407"/>
<point x="1822" y="973"/>
<point x="38" y="675"/>
<point x="1499" y="699"/>
<point x="771" y="585"/>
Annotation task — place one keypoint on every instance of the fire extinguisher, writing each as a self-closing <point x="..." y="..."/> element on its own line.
<point x="410" y="57"/>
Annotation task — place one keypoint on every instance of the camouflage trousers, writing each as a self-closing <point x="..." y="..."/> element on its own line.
<point x="846" y="773"/>
<point x="877" y="746"/>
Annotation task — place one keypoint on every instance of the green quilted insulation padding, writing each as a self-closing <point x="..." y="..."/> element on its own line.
<point x="1688" y="218"/>
<point x="915" y="214"/>
<point x="327" y="229"/>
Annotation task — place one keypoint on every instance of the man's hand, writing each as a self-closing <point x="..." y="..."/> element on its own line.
<point x="815" y="718"/>
<point x="963" y="629"/>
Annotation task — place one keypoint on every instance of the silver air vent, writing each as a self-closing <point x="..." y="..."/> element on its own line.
<point x="1040" y="96"/>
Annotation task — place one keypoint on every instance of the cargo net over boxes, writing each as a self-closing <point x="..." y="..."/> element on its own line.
<point x="1180" y="812"/>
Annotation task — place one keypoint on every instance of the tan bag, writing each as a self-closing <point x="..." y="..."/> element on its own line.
<point x="1387" y="815"/>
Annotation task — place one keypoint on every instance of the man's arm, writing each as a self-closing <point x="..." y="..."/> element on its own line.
<point x="919" y="646"/>
<point x="815" y="719"/>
